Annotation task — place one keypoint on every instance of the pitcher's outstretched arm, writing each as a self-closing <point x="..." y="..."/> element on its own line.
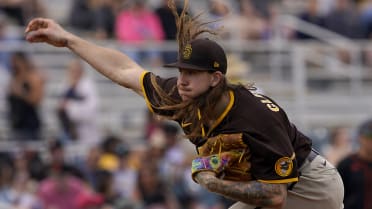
<point x="111" y="63"/>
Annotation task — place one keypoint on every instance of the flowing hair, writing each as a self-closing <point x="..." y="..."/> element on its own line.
<point x="189" y="28"/>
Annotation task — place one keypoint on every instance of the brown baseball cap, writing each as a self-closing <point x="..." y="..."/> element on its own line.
<point x="201" y="54"/>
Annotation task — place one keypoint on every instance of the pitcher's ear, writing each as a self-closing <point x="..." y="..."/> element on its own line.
<point x="216" y="78"/>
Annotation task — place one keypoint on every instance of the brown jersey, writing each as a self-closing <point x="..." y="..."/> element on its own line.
<point x="276" y="147"/>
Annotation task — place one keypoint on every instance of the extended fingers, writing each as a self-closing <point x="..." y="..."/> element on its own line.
<point x="31" y="25"/>
<point x="35" y="35"/>
<point x="45" y="30"/>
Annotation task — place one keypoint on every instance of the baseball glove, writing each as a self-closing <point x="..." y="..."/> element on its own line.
<point x="226" y="155"/>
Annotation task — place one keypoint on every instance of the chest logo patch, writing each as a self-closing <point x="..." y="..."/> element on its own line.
<point x="284" y="166"/>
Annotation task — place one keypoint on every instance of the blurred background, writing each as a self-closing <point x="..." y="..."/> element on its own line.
<point x="70" y="138"/>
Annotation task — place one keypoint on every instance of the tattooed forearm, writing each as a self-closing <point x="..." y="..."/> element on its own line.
<point x="253" y="193"/>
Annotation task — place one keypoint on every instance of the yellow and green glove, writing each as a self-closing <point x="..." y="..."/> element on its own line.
<point x="216" y="163"/>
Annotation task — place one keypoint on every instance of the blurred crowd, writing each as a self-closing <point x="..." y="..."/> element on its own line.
<point x="112" y="174"/>
<point x="136" y="22"/>
<point x="106" y="171"/>
<point x="155" y="174"/>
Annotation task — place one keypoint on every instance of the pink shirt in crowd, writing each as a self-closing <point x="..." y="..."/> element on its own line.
<point x="60" y="194"/>
<point x="137" y="26"/>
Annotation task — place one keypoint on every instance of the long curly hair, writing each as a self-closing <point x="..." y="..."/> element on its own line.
<point x="189" y="28"/>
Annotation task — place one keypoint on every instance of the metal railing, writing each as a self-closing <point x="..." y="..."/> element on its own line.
<point x="342" y="92"/>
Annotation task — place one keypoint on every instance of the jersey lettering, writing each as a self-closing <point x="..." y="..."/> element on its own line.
<point x="269" y="104"/>
<point x="273" y="107"/>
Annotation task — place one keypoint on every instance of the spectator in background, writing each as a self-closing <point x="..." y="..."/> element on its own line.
<point x="325" y="6"/>
<point x="23" y="186"/>
<point x="139" y="25"/>
<point x="168" y="23"/>
<point x="227" y="21"/>
<point x="356" y="170"/>
<point x="82" y="15"/>
<point x="311" y="15"/>
<point x="89" y="165"/>
<point x="106" y="188"/>
<point x="151" y="125"/>
<point x="78" y="107"/>
<point x="6" y="179"/>
<point x="94" y="16"/>
<point x="257" y="24"/>
<point x="57" y="160"/>
<point x="263" y="6"/>
<point x="35" y="164"/>
<point x="339" y="145"/>
<point x="125" y="178"/>
<point x="90" y="199"/>
<point x="105" y="18"/>
<point x="21" y="11"/>
<point x="272" y="30"/>
<point x="257" y="29"/>
<point x="152" y="190"/>
<point x="239" y="68"/>
<point x="4" y="59"/>
<point x="366" y="17"/>
<point x="345" y="20"/>
<point x="218" y="10"/>
<point x="60" y="190"/>
<point x="7" y="38"/>
<point x="112" y="148"/>
<point x="24" y="97"/>
<point x="16" y="189"/>
<point x="173" y="156"/>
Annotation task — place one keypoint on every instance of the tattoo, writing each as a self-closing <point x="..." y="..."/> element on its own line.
<point x="252" y="193"/>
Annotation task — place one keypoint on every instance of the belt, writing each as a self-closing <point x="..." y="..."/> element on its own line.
<point x="310" y="157"/>
<point x="313" y="153"/>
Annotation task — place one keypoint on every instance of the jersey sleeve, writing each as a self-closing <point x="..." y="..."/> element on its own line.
<point x="152" y="98"/>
